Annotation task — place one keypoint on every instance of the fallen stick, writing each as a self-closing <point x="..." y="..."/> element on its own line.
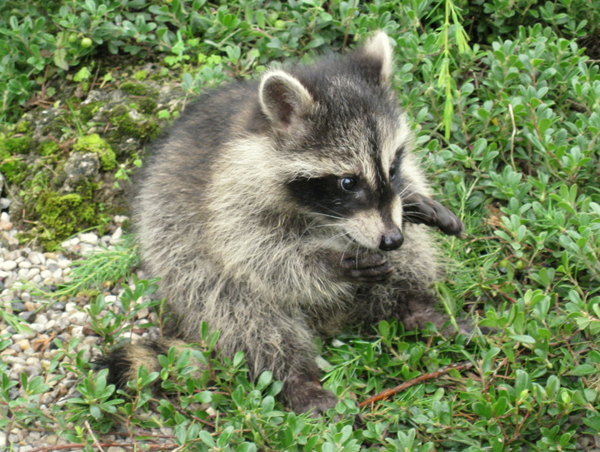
<point x="421" y="378"/>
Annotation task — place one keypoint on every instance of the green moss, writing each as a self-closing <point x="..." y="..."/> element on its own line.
<point x="147" y="105"/>
<point x="139" y="89"/>
<point x="14" y="146"/>
<point x="140" y="75"/>
<point x="87" y="112"/>
<point x="144" y="131"/>
<point x="64" y="215"/>
<point x="48" y="147"/>
<point x="93" y="143"/>
<point x="23" y="126"/>
<point x="13" y="169"/>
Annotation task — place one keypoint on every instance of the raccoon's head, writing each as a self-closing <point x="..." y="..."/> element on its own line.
<point x="341" y="137"/>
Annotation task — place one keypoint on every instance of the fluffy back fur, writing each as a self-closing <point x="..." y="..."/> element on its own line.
<point x="285" y="208"/>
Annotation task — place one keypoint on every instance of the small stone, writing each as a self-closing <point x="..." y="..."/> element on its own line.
<point x="143" y="313"/>
<point x="51" y="440"/>
<point x="24" y="344"/>
<point x="37" y="258"/>
<point x="6" y="225"/>
<point x="4" y="203"/>
<point x="32" y="273"/>
<point x="86" y="248"/>
<point x="116" y="237"/>
<point x="25" y="264"/>
<point x="8" y="265"/>
<point x="38" y="327"/>
<point x="18" y="306"/>
<point x="28" y="316"/>
<point x="78" y="318"/>
<point x="89" y="237"/>
<point x="30" y="306"/>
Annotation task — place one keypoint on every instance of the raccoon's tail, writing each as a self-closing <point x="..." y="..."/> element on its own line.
<point x="123" y="363"/>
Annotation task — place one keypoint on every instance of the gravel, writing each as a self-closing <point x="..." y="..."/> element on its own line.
<point x="22" y="270"/>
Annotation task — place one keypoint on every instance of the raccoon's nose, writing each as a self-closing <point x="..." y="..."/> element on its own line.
<point x="392" y="240"/>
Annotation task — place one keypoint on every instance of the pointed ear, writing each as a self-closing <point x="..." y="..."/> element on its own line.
<point x="283" y="98"/>
<point x="380" y="54"/>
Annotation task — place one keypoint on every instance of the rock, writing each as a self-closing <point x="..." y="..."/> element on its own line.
<point x="8" y="265"/>
<point x="18" y="306"/>
<point x="89" y="237"/>
<point x="28" y="316"/>
<point x="78" y="168"/>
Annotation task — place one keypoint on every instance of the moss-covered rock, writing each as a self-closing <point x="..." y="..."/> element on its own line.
<point x="13" y="168"/>
<point x="14" y="146"/>
<point x="138" y="89"/>
<point x="61" y="216"/>
<point x="133" y="124"/>
<point x="93" y="143"/>
<point x="48" y="147"/>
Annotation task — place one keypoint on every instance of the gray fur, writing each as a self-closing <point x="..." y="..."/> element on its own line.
<point x="223" y="220"/>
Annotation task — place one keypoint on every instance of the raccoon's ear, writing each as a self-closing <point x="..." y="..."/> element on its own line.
<point x="283" y="98"/>
<point x="379" y="53"/>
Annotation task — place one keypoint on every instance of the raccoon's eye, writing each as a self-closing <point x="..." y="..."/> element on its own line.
<point x="348" y="183"/>
<point x="393" y="169"/>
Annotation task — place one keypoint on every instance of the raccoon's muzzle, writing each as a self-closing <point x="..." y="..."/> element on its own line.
<point x="392" y="240"/>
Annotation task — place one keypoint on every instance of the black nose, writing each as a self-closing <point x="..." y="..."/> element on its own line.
<point x="392" y="240"/>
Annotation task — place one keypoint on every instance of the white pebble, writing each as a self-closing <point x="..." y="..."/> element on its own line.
<point x="37" y="258"/>
<point x="86" y="248"/>
<point x="25" y="264"/>
<point x="89" y="237"/>
<point x="78" y="318"/>
<point x="32" y="272"/>
<point x="37" y="327"/>
<point x="8" y="265"/>
<point x="116" y="237"/>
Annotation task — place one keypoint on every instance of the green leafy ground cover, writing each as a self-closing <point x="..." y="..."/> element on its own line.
<point x="508" y="127"/>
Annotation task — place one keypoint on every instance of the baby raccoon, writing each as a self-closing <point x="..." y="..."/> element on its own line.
<point x="286" y="208"/>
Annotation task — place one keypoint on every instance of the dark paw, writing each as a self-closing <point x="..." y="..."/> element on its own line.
<point x="310" y="398"/>
<point x="420" y="209"/>
<point x="365" y="268"/>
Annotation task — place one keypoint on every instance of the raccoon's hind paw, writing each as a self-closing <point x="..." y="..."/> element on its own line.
<point x="420" y="209"/>
<point x="310" y="397"/>
<point x="360" y="267"/>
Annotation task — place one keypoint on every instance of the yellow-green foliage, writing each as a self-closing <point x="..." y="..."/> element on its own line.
<point x="64" y="215"/>
<point x="13" y="146"/>
<point x="93" y="143"/>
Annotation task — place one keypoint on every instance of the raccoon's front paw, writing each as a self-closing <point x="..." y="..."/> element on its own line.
<point x="420" y="209"/>
<point x="310" y="397"/>
<point x="368" y="268"/>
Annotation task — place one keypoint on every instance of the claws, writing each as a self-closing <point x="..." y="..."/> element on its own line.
<point x="420" y="209"/>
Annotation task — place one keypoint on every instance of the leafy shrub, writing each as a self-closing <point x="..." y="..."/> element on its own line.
<point x="517" y="153"/>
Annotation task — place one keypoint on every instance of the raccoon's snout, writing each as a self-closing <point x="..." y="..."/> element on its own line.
<point x="392" y="240"/>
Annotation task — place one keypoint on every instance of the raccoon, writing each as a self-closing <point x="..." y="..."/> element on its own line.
<point x="286" y="208"/>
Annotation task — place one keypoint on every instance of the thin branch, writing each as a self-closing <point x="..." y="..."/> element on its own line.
<point x="89" y="429"/>
<point x="512" y="137"/>
<point x="414" y="381"/>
